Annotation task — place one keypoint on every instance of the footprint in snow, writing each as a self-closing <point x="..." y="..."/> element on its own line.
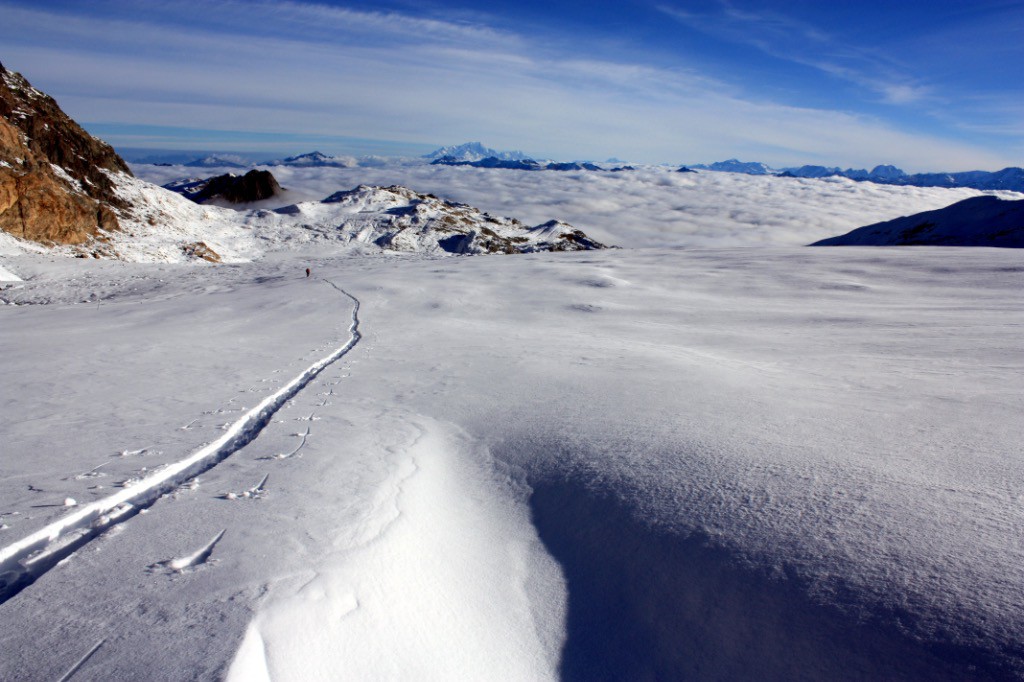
<point x="253" y="493"/>
<point x="190" y="562"/>
<point x="138" y="453"/>
<point x="92" y="473"/>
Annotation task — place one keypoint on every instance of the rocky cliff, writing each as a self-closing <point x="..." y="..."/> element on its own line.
<point x="54" y="186"/>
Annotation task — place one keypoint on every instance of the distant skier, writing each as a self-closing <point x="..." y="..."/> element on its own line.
<point x="307" y="272"/>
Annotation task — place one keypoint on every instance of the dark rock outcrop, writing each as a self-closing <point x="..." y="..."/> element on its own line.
<point x="978" y="221"/>
<point x="54" y="186"/>
<point x="256" y="185"/>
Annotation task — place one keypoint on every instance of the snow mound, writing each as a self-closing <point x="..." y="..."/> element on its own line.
<point x="979" y="221"/>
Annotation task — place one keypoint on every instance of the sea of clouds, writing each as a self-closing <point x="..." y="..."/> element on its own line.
<point x="649" y="207"/>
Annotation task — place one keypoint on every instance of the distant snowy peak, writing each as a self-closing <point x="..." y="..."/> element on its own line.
<point x="474" y="151"/>
<point x="313" y="160"/>
<point x="526" y="164"/>
<point x="218" y="161"/>
<point x="399" y="219"/>
<point x="978" y="221"/>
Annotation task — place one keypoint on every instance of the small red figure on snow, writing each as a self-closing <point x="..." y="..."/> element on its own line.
<point x="307" y="272"/>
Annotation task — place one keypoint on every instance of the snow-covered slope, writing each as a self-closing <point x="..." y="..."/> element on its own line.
<point x="766" y="464"/>
<point x="979" y="221"/>
<point x="638" y="463"/>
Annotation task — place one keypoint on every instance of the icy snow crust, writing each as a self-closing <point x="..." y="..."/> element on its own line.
<point x="654" y="463"/>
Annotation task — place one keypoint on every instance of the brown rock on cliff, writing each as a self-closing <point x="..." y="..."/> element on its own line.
<point x="53" y="188"/>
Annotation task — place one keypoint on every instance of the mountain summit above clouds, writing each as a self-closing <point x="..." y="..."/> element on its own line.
<point x="56" y="180"/>
<point x="313" y="160"/>
<point x="978" y="221"/>
<point x="474" y="151"/>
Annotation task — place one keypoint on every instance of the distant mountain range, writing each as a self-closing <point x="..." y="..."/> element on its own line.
<point x="1008" y="178"/>
<point x="978" y="221"/>
<point x="520" y="164"/>
<point x="736" y="166"/>
<point x="476" y="155"/>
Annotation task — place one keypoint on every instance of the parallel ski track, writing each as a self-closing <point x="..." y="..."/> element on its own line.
<point x="23" y="562"/>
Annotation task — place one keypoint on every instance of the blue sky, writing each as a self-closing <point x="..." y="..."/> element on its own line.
<point x="925" y="85"/>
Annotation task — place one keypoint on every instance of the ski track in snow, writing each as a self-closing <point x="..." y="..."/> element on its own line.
<point x="24" y="561"/>
<point x="82" y="661"/>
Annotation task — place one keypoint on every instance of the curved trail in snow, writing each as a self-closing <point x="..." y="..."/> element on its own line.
<point x="24" y="561"/>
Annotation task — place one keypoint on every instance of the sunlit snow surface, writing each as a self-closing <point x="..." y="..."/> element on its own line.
<point x="644" y="463"/>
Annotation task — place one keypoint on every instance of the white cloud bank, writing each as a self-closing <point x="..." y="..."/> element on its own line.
<point x="649" y="207"/>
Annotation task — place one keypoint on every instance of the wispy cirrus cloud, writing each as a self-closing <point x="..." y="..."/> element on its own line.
<point x="785" y="38"/>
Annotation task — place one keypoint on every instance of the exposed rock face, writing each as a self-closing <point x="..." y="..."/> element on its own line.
<point x="255" y="185"/>
<point x="201" y="250"/>
<point x="53" y="188"/>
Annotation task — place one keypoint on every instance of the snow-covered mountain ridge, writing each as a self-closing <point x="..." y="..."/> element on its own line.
<point x="399" y="219"/>
<point x="474" y="151"/>
<point x="1011" y="178"/>
<point x="312" y="160"/>
<point x="978" y="221"/>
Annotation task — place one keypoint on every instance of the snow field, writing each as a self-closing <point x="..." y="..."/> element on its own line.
<point x="826" y="422"/>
